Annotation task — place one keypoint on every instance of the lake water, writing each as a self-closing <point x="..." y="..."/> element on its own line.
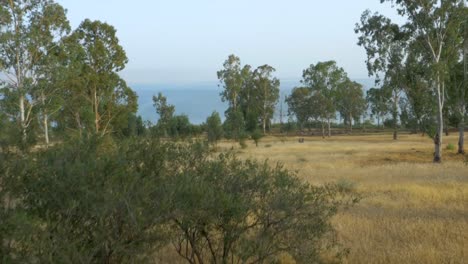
<point x="199" y="100"/>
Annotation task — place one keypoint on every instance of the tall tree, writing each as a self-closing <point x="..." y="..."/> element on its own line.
<point x="323" y="79"/>
<point x="267" y="88"/>
<point x="385" y="44"/>
<point x="431" y="24"/>
<point x="461" y="142"/>
<point x="378" y="103"/>
<point x="109" y="97"/>
<point x="248" y="99"/>
<point x="299" y="105"/>
<point x="350" y="101"/>
<point x="165" y="111"/>
<point x="421" y="100"/>
<point x="29" y="31"/>
<point x="232" y="79"/>
<point x="214" y="128"/>
<point x="455" y="59"/>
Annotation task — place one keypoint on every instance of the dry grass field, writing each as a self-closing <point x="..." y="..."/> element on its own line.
<point x="413" y="211"/>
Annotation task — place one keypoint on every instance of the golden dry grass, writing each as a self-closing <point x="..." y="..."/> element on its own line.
<point x="413" y="211"/>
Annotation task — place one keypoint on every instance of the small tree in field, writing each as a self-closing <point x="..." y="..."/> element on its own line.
<point x="214" y="128"/>
<point x="225" y="210"/>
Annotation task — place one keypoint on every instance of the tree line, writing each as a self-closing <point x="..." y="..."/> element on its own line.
<point x="325" y="91"/>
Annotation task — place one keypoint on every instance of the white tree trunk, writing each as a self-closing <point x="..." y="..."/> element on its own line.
<point x="440" y="124"/>
<point x="461" y="137"/>
<point x="23" y="118"/>
<point x="46" y="129"/>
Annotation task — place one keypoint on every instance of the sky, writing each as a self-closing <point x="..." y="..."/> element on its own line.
<point x="187" y="41"/>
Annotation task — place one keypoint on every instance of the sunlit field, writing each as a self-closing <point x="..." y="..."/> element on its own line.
<point x="412" y="210"/>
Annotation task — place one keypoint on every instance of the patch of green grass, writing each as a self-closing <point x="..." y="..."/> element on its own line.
<point x="450" y="146"/>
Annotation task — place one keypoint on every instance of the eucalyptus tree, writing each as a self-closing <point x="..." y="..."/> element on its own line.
<point x="248" y="99"/>
<point x="430" y="24"/>
<point x="378" y="102"/>
<point x="350" y="102"/>
<point x="421" y="99"/>
<point x="461" y="141"/>
<point x="232" y="79"/>
<point x="214" y="128"/>
<point x="165" y="111"/>
<point x="299" y="105"/>
<point x="455" y="57"/>
<point x="267" y="90"/>
<point x="29" y="31"/>
<point x="105" y="94"/>
<point x="323" y="80"/>
<point x="385" y="44"/>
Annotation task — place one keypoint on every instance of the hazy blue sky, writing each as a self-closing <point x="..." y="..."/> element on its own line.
<point x="180" y="41"/>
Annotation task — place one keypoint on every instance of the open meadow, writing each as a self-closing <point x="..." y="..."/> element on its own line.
<point x="412" y="211"/>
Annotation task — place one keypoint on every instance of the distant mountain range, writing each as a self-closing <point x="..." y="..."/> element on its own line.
<point x="198" y="100"/>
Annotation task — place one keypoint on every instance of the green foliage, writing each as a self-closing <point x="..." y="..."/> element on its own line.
<point x="299" y="105"/>
<point x="108" y="98"/>
<point x="99" y="201"/>
<point x="450" y="146"/>
<point x="180" y="127"/>
<point x="230" y="210"/>
<point x="135" y="126"/>
<point x="254" y="94"/>
<point x="267" y="93"/>
<point x="234" y="125"/>
<point x="30" y="31"/>
<point x="214" y="128"/>
<point x="345" y="185"/>
<point x="378" y="101"/>
<point x="256" y="136"/>
<point x="350" y="101"/>
<point x="165" y="111"/>
<point x="89" y="202"/>
<point x="243" y="141"/>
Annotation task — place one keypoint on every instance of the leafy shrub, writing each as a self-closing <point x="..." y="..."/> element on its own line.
<point x="214" y="128"/>
<point x="95" y="202"/>
<point x="345" y="185"/>
<point x="256" y="136"/>
<point x="450" y="146"/>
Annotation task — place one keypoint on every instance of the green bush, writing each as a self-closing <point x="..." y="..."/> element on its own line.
<point x="97" y="201"/>
<point x="345" y="185"/>
<point x="256" y="136"/>
<point x="450" y="146"/>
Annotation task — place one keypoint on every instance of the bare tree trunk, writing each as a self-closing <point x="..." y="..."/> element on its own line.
<point x="461" y="137"/>
<point x="323" y="129"/>
<point x="395" y="115"/>
<point x="461" y="125"/>
<point x="46" y="128"/>
<point x="22" y="118"/>
<point x="350" y="123"/>
<point x="96" y="112"/>
<point x="440" y="125"/>
<point x="45" y="119"/>
<point x="329" y="128"/>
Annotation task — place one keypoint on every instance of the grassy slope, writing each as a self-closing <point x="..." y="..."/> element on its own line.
<point x="413" y="211"/>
